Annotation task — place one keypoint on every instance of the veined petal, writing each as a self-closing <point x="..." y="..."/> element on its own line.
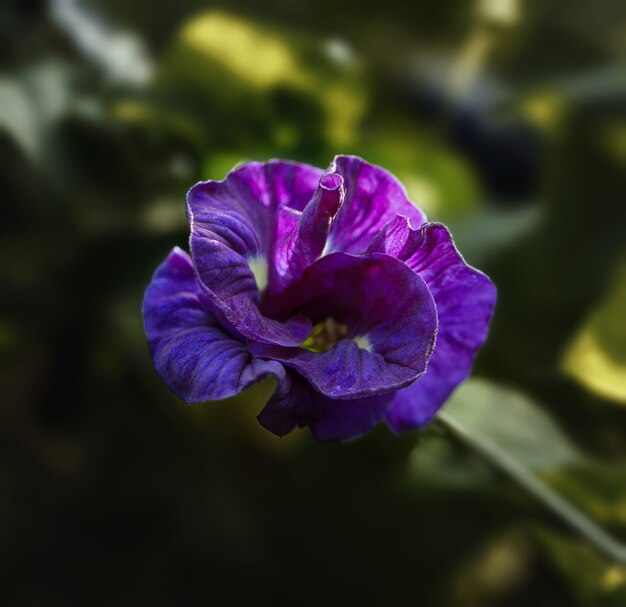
<point x="373" y="198"/>
<point x="194" y="356"/>
<point x="301" y="236"/>
<point x="465" y="299"/>
<point x="274" y="184"/>
<point x="390" y="321"/>
<point x="232" y="239"/>
<point x="228" y="280"/>
<point x="329" y="419"/>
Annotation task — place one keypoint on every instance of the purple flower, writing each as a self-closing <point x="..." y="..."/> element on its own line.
<point x="334" y="283"/>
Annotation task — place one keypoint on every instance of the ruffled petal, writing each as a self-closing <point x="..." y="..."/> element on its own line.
<point x="390" y="325"/>
<point x="301" y="235"/>
<point x="274" y="184"/>
<point x="288" y="408"/>
<point x="373" y="198"/>
<point x="465" y="299"/>
<point x="329" y="419"/>
<point x="232" y="239"/>
<point x="194" y="356"/>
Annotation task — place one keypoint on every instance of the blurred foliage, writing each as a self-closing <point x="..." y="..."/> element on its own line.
<point x="239" y="87"/>
<point x="594" y="582"/>
<point x="597" y="355"/>
<point x="526" y="431"/>
<point x="505" y="119"/>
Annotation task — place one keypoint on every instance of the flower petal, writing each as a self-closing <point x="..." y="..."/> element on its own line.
<point x="342" y="420"/>
<point x="232" y="234"/>
<point x="301" y="236"/>
<point x="196" y="358"/>
<point x="289" y="408"/>
<point x="465" y="300"/>
<point x="329" y="419"/>
<point x="373" y="198"/>
<point x="390" y="318"/>
<point x="274" y="184"/>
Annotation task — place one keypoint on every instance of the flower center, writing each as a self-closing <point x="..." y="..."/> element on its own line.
<point x="325" y="335"/>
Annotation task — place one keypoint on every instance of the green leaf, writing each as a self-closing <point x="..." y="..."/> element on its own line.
<point x="521" y="441"/>
<point x="514" y="423"/>
<point x="31" y="101"/>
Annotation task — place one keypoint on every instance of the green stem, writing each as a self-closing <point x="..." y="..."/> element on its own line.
<point x="581" y="523"/>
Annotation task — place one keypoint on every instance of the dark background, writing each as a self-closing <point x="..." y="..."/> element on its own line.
<point x="504" y="119"/>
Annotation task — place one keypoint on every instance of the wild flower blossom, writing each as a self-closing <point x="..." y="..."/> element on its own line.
<point x="331" y="281"/>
